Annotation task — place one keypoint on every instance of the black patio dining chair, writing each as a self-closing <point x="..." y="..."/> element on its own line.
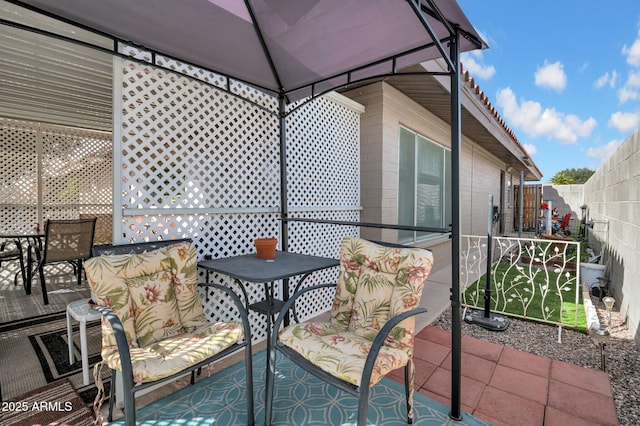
<point x="12" y="250"/>
<point x="370" y="332"/>
<point x="68" y="240"/>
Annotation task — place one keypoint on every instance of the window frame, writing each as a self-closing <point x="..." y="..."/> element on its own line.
<point x="405" y="236"/>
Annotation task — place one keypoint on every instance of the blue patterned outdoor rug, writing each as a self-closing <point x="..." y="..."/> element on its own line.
<point x="301" y="399"/>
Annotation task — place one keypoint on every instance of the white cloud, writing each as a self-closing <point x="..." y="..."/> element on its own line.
<point x="551" y="76"/>
<point x="531" y="148"/>
<point x="624" y="121"/>
<point x="627" y="94"/>
<point x="602" y="80"/>
<point x="603" y="152"/>
<point x="607" y="79"/>
<point x="473" y="62"/>
<point x="633" y="52"/>
<point x="631" y="89"/>
<point x="633" y="80"/>
<point x="614" y="79"/>
<point x="535" y="121"/>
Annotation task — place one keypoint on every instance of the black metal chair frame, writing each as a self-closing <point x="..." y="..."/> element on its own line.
<point x="16" y="254"/>
<point x="135" y="248"/>
<point x="360" y="392"/>
<point x="76" y="261"/>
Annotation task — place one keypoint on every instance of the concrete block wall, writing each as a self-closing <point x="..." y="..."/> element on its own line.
<point x="568" y="199"/>
<point x="612" y="196"/>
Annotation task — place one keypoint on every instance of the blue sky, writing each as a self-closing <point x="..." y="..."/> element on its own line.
<point x="564" y="75"/>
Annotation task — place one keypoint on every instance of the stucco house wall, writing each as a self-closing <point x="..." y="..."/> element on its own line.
<point x="386" y="109"/>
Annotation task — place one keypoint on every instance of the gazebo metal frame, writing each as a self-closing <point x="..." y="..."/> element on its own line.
<point x="445" y="30"/>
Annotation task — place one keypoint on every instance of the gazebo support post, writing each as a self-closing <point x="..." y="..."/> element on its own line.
<point x="284" y="207"/>
<point x="284" y="202"/>
<point x="456" y="322"/>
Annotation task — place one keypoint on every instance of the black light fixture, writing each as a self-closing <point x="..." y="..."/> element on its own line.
<point x="603" y="283"/>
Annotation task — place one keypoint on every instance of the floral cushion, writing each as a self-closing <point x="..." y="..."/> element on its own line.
<point x="185" y="286"/>
<point x="340" y="353"/>
<point x="155" y="305"/>
<point x="156" y="298"/>
<point x="375" y="283"/>
<point x="174" y="354"/>
<point x="371" y="302"/>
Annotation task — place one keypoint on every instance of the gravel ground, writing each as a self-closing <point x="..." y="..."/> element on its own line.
<point x="622" y="356"/>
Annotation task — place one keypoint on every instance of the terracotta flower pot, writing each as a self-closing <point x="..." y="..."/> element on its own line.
<point x="266" y="247"/>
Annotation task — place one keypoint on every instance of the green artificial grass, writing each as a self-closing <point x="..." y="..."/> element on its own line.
<point x="533" y="292"/>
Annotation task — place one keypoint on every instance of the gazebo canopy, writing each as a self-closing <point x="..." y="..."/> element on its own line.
<point x="295" y="48"/>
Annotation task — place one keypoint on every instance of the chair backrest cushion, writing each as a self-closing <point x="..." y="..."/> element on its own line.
<point x="154" y="293"/>
<point x="156" y="310"/>
<point x="376" y="283"/>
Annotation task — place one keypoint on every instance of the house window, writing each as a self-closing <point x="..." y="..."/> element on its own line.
<point x="424" y="197"/>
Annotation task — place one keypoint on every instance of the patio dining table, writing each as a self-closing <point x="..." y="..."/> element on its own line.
<point x="247" y="269"/>
<point x="34" y="246"/>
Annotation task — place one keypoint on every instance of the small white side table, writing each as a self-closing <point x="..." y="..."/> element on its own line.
<point x="81" y="312"/>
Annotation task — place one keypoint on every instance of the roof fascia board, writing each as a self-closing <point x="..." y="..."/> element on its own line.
<point x="345" y="102"/>
<point x="471" y="103"/>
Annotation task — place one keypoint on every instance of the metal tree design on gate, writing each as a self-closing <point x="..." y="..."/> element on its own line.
<point x="530" y="278"/>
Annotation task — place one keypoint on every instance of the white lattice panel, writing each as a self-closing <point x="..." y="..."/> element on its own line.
<point x="323" y="155"/>
<point x="76" y="172"/>
<point x="66" y="171"/>
<point x="19" y="190"/>
<point x="188" y="145"/>
<point x="209" y="77"/>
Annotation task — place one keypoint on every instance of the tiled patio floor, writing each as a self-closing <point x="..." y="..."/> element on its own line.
<point x="508" y="387"/>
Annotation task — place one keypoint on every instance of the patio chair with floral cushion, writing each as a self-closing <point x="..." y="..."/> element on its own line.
<point x="370" y="330"/>
<point x="154" y="328"/>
